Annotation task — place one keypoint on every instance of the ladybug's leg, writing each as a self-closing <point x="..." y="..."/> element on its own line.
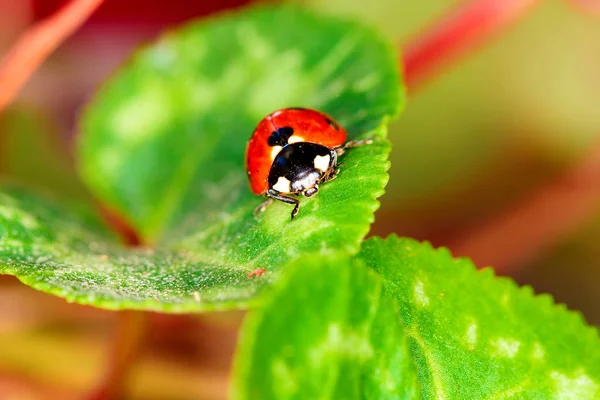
<point x="333" y="169"/>
<point x="262" y="206"/>
<point x="311" y="191"/>
<point x="288" y="200"/>
<point x="352" y="143"/>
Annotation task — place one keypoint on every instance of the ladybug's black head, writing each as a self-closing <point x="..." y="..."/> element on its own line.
<point x="299" y="167"/>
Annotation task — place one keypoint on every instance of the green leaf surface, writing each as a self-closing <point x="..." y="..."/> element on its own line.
<point x="67" y="252"/>
<point x="477" y="336"/>
<point x="328" y="331"/>
<point x="163" y="142"/>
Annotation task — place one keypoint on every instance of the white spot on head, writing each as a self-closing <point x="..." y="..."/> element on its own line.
<point x="295" y="139"/>
<point x="506" y="347"/>
<point x="538" y="351"/>
<point x="420" y="296"/>
<point x="322" y="163"/>
<point x="282" y="185"/>
<point x="275" y="151"/>
<point x="580" y="386"/>
<point x="471" y="335"/>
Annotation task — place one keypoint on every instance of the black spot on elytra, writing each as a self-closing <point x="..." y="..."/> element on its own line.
<point x="333" y="124"/>
<point x="280" y="136"/>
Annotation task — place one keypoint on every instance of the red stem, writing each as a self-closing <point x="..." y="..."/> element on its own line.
<point x="119" y="224"/>
<point x="37" y="43"/>
<point x="460" y="30"/>
<point x="124" y="350"/>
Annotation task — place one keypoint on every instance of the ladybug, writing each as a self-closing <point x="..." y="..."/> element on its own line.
<point x="291" y="152"/>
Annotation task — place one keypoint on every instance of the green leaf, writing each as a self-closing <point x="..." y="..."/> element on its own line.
<point x="163" y="142"/>
<point x="67" y="252"/>
<point x="328" y="331"/>
<point x="477" y="336"/>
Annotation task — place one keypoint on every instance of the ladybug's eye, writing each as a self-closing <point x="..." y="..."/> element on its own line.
<point x="280" y="136"/>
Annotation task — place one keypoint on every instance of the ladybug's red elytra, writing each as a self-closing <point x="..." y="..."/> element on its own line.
<point x="291" y="152"/>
